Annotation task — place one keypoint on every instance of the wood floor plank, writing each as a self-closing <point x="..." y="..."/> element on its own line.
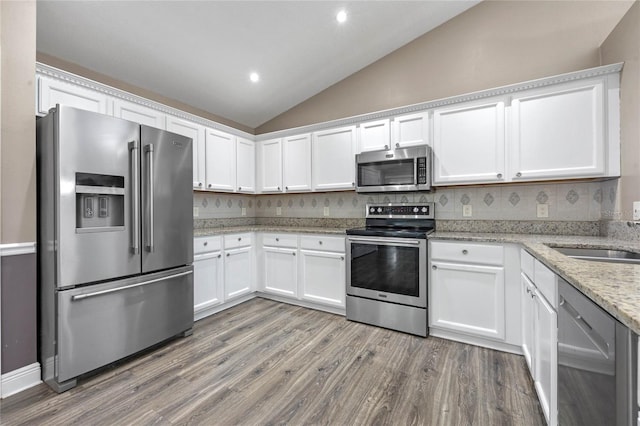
<point x="265" y="362"/>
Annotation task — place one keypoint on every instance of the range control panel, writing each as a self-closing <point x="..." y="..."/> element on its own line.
<point x="401" y="210"/>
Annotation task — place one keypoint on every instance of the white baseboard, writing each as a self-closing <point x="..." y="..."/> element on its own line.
<point x="21" y="379"/>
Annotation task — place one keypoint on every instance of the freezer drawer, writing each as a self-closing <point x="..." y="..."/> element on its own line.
<point x="101" y="324"/>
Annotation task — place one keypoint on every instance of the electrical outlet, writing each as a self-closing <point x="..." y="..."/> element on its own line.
<point x="244" y="211"/>
<point x="467" y="210"/>
<point x="278" y="211"/>
<point x="196" y="213"/>
<point x="326" y="211"/>
<point x="636" y="210"/>
<point x="542" y="210"/>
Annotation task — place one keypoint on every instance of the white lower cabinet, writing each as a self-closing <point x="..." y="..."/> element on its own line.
<point x="238" y="265"/>
<point x="540" y="331"/>
<point x="280" y="265"/>
<point x="208" y="277"/>
<point x="322" y="277"/>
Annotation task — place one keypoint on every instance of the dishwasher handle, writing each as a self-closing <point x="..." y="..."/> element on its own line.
<point x="599" y="342"/>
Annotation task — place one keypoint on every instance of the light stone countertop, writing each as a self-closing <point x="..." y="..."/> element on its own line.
<point x="205" y="232"/>
<point x="613" y="286"/>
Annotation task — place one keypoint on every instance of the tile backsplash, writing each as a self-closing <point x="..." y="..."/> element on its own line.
<point x="566" y="201"/>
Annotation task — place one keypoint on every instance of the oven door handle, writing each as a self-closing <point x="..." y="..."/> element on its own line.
<point x="398" y="241"/>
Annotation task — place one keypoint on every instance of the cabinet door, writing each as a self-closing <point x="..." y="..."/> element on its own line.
<point x="468" y="299"/>
<point x="528" y="320"/>
<point x="546" y="357"/>
<point x="270" y="166"/>
<point x="410" y="130"/>
<point x="280" y="271"/>
<point x="323" y="277"/>
<point x="297" y="163"/>
<point x="246" y="166"/>
<point x="207" y="282"/>
<point x="468" y="144"/>
<point x="558" y="134"/>
<point x="238" y="272"/>
<point x="52" y="92"/>
<point x="220" y="154"/>
<point x="139" y="114"/>
<point x="197" y="133"/>
<point x="333" y="153"/>
<point x="374" y="135"/>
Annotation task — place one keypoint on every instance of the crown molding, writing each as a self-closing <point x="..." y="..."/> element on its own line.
<point x="468" y="97"/>
<point x="58" y="74"/>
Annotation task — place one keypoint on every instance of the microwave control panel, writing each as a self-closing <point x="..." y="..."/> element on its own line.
<point x="422" y="170"/>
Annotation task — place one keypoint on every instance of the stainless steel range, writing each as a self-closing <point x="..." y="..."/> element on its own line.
<point x="387" y="267"/>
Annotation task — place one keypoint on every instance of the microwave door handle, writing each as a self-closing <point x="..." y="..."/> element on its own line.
<point x="150" y="194"/>
<point x="134" y="148"/>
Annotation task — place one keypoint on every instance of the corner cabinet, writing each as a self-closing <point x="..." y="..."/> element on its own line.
<point x="559" y="132"/>
<point x="245" y="165"/>
<point x="270" y="166"/>
<point x="333" y="156"/>
<point x="296" y="154"/>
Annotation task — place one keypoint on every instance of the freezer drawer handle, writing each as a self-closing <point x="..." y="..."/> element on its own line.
<point x="150" y="193"/>
<point x="135" y="198"/>
<point x="127" y="287"/>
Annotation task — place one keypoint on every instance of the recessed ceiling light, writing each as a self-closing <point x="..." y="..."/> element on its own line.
<point x="341" y="16"/>
<point x="254" y="77"/>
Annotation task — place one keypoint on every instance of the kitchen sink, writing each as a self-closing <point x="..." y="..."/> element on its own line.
<point x="601" y="255"/>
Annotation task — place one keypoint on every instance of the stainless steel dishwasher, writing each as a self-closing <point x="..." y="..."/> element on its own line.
<point x="597" y="361"/>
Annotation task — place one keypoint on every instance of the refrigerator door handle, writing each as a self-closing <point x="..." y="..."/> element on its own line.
<point x="135" y="197"/>
<point x="127" y="287"/>
<point x="149" y="151"/>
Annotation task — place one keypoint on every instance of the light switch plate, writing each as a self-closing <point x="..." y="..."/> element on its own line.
<point x="196" y="213"/>
<point x="278" y="211"/>
<point x="326" y="211"/>
<point x="542" y="210"/>
<point x="636" y="210"/>
<point x="467" y="210"/>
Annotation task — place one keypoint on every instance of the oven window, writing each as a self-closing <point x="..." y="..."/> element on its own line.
<point x="391" y="269"/>
<point x="392" y="172"/>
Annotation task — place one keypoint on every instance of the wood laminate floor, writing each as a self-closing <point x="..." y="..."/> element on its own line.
<point x="265" y="362"/>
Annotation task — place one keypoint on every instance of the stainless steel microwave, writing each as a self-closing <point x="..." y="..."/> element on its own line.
<point x="403" y="169"/>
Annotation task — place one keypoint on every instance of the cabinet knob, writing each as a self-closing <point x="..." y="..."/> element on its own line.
<point x="200" y="184"/>
<point x="228" y="254"/>
<point x="341" y="257"/>
<point x="278" y="188"/>
<point x="434" y="267"/>
<point x="277" y="239"/>
<point x="320" y="242"/>
<point x="219" y="256"/>
<point x="465" y="251"/>
<point x="386" y="147"/>
<point x="518" y="174"/>
<point x="239" y="239"/>
<point x="397" y="145"/>
<point x="294" y="253"/>
<point x="239" y="188"/>
<point x="499" y="175"/>
<point x="210" y="185"/>
<point x="353" y="184"/>
<point x="286" y="187"/>
<point x="205" y="243"/>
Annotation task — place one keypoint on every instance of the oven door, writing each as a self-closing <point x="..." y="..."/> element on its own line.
<point x="388" y="269"/>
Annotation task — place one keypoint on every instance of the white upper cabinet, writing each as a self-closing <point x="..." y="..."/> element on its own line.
<point x="297" y="163"/>
<point x="333" y="154"/>
<point x="468" y="143"/>
<point x="558" y="132"/>
<point x="139" y="114"/>
<point x="197" y="133"/>
<point x="374" y="135"/>
<point x="270" y="166"/>
<point x="220" y="159"/>
<point x="410" y="130"/>
<point x="53" y="91"/>
<point x="246" y="165"/>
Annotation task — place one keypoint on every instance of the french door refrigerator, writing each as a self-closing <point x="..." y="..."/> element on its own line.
<point x="115" y="240"/>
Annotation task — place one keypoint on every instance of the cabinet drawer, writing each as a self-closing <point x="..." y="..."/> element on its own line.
<point x="280" y="240"/>
<point x="526" y="264"/>
<point x="468" y="253"/>
<point x="237" y="240"/>
<point x="206" y="244"/>
<point x="322" y="243"/>
<point x="546" y="282"/>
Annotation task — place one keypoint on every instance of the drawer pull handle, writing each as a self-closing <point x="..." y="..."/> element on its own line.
<point x="465" y="251"/>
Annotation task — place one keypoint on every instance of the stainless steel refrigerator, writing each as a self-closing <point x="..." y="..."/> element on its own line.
<point x="115" y="240"/>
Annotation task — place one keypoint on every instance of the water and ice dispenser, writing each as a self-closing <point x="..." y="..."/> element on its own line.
<point x="99" y="202"/>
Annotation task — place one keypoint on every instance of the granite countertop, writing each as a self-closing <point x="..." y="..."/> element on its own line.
<point x="221" y="230"/>
<point x="613" y="286"/>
